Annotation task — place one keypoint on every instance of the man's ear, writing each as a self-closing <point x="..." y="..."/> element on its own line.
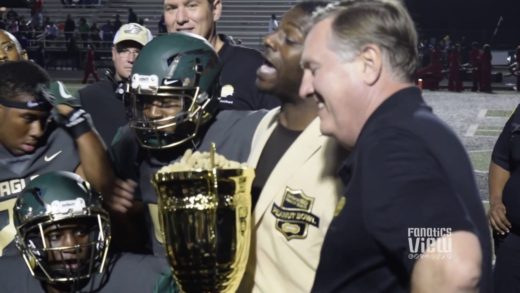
<point x="24" y="55"/>
<point x="217" y="9"/>
<point x="372" y="59"/>
<point x="114" y="53"/>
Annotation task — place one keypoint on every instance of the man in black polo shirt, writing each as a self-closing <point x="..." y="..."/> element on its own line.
<point x="413" y="219"/>
<point x="99" y="99"/>
<point x="239" y="64"/>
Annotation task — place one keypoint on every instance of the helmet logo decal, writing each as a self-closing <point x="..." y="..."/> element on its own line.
<point x="173" y="66"/>
<point x="145" y="84"/>
<point x="67" y="206"/>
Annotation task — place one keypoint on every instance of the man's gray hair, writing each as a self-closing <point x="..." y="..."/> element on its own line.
<point x="385" y="23"/>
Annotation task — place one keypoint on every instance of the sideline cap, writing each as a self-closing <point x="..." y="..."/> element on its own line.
<point x="133" y="32"/>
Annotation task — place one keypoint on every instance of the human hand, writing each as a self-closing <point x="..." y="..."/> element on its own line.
<point x="67" y="111"/>
<point x="497" y="217"/>
<point x="61" y="99"/>
<point x="121" y="200"/>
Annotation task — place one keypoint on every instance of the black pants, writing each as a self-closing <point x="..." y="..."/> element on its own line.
<point x="506" y="273"/>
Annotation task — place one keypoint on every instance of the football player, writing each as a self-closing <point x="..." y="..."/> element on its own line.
<point x="171" y="99"/>
<point x="42" y="128"/>
<point x="63" y="235"/>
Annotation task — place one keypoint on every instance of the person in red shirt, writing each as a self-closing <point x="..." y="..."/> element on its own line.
<point x="90" y="65"/>
<point x="485" y="69"/>
<point x="474" y="60"/>
<point x="36" y="7"/>
<point x="432" y="73"/>
<point x="454" y="78"/>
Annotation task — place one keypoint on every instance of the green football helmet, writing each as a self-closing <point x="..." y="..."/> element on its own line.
<point x="173" y="89"/>
<point x="63" y="233"/>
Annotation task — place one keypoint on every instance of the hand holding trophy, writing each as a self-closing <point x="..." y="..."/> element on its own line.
<point x="205" y="213"/>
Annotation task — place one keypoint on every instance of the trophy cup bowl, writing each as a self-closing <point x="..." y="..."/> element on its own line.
<point x="205" y="217"/>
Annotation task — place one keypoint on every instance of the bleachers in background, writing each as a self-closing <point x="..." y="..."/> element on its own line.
<point x="245" y="20"/>
<point x="248" y="20"/>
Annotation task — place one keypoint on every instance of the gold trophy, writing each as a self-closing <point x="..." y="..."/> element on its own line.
<point x="205" y="215"/>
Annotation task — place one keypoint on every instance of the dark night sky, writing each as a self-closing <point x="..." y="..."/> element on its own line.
<point x="475" y="19"/>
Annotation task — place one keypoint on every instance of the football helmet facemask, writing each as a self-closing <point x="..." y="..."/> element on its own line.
<point x="63" y="232"/>
<point x="173" y="89"/>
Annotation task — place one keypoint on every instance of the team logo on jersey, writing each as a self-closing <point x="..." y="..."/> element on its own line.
<point x="294" y="214"/>
<point x="227" y="91"/>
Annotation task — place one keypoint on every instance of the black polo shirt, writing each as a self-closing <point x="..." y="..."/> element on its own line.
<point x="506" y="154"/>
<point x="238" y="76"/>
<point x="107" y="111"/>
<point x="408" y="181"/>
